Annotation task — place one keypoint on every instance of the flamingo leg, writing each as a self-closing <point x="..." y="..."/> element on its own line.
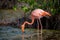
<point x="41" y="28"/>
<point x="38" y="30"/>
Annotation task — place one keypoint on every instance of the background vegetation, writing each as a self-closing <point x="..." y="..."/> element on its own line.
<point x="12" y="11"/>
<point x="52" y="6"/>
<point x="23" y="8"/>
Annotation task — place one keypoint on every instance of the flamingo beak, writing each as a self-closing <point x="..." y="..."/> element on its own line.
<point x="22" y="28"/>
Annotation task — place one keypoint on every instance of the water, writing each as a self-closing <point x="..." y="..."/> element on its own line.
<point x="10" y="33"/>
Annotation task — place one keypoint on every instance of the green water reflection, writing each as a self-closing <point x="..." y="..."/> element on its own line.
<point x="10" y="33"/>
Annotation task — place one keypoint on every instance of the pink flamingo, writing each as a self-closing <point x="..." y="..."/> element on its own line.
<point x="36" y="14"/>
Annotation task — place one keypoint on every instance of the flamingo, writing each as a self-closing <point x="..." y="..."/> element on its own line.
<point x="35" y="14"/>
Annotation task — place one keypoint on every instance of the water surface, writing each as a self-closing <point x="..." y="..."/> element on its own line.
<point x="10" y="33"/>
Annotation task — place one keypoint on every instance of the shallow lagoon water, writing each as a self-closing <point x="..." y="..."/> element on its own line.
<point x="10" y="33"/>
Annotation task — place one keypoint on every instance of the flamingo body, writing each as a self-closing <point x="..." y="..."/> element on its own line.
<point x="35" y="14"/>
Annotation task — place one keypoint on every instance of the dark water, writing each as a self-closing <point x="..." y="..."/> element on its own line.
<point x="10" y="33"/>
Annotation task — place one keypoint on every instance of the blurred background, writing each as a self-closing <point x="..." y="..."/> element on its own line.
<point x="14" y="12"/>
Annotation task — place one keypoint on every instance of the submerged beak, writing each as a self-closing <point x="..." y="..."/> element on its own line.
<point x="22" y="28"/>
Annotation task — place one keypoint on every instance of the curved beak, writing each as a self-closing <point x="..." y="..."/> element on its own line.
<point x="22" y="28"/>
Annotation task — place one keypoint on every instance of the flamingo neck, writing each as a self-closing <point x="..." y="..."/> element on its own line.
<point x="26" y="22"/>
